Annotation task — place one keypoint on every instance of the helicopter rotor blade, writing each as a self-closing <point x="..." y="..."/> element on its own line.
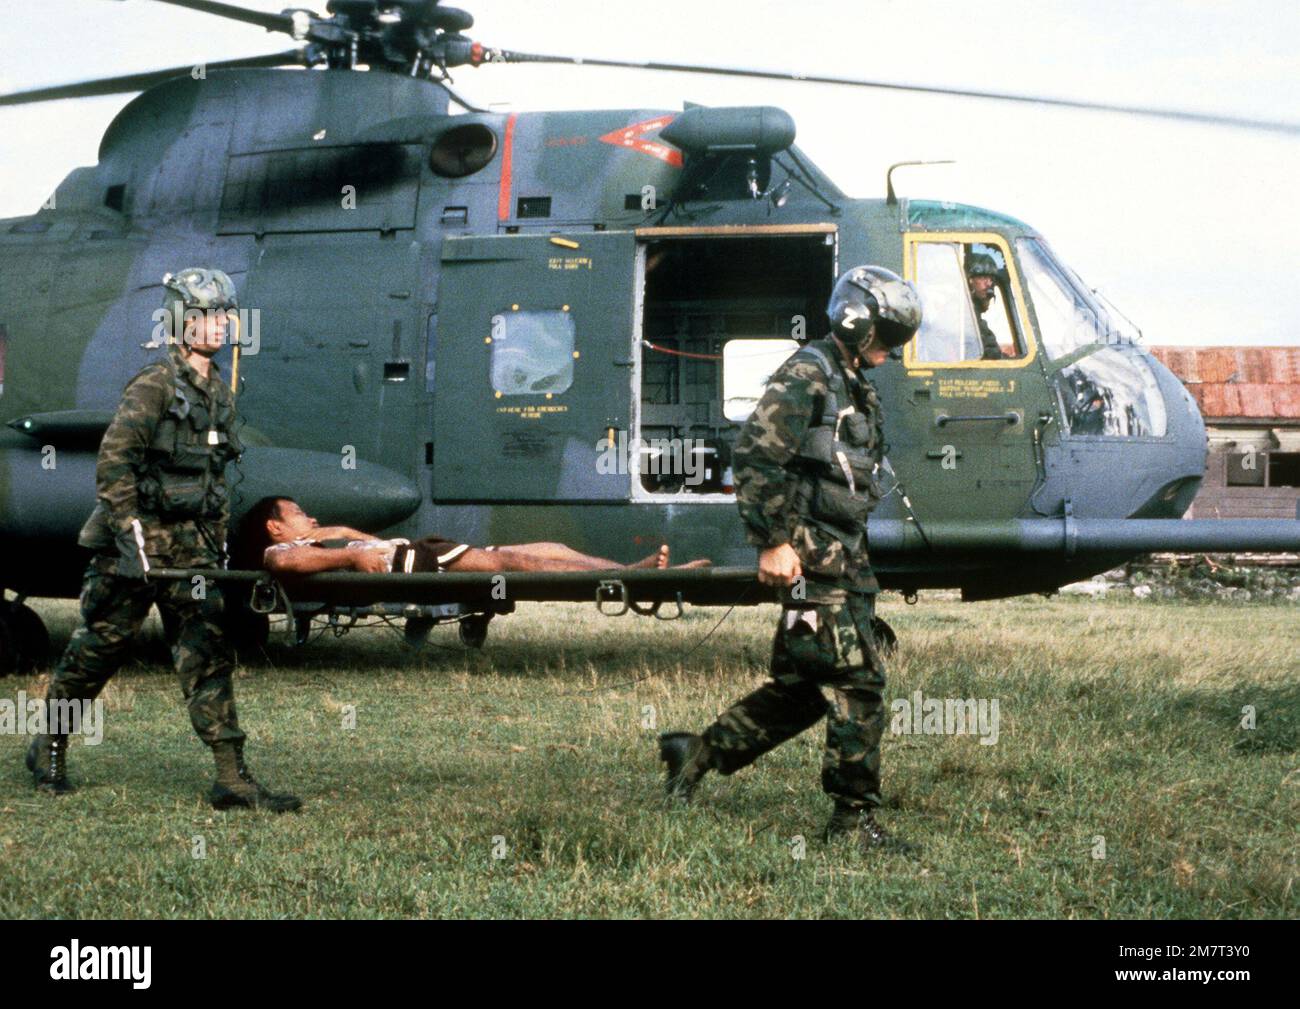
<point x="142" y="81"/>
<point x="271" y="22"/>
<point x="1207" y="118"/>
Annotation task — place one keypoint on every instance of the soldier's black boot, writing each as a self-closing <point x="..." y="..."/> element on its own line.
<point x="235" y="787"/>
<point x="38" y="754"/>
<point x="862" y="826"/>
<point x="689" y="759"/>
<point x="47" y="759"/>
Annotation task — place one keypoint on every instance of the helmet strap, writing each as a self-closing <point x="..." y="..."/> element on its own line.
<point x="850" y="350"/>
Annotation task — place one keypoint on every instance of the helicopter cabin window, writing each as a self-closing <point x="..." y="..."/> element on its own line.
<point x="720" y="314"/>
<point x="965" y="304"/>
<point x="532" y="353"/>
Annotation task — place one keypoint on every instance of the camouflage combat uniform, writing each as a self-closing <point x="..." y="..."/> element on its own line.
<point x="161" y="461"/>
<point x="826" y="639"/>
<point x="988" y="341"/>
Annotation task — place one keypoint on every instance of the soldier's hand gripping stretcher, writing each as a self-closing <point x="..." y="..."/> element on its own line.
<point x="779" y="565"/>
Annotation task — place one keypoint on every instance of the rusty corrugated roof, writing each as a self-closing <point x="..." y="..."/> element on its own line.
<point x="1239" y="382"/>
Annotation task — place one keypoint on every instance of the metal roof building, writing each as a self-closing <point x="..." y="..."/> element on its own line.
<point x="1250" y="398"/>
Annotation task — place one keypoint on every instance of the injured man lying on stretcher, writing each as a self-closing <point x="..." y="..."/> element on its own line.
<point x="276" y="534"/>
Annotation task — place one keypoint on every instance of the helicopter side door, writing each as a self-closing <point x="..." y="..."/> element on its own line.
<point x="532" y="352"/>
<point x="976" y="389"/>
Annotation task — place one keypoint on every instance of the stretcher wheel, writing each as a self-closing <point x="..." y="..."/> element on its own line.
<point x="473" y="629"/>
<point x="416" y="630"/>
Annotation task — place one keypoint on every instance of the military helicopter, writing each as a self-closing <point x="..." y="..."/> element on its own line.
<point x="552" y="325"/>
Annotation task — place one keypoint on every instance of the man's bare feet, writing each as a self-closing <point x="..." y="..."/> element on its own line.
<point x="661" y="558"/>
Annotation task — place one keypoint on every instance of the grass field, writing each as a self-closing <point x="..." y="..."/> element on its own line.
<point x="1118" y="720"/>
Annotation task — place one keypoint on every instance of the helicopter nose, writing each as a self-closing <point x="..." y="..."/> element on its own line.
<point x="1186" y="431"/>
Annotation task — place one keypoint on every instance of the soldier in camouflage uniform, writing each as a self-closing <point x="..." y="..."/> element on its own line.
<point x="163" y="502"/>
<point x="807" y="474"/>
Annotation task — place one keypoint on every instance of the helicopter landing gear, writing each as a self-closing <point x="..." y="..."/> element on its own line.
<point x="24" y="641"/>
<point x="886" y="639"/>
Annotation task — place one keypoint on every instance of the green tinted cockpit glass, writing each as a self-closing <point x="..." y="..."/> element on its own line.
<point x="532" y="353"/>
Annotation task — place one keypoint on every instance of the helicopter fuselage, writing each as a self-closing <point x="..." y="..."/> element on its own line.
<point x="551" y="326"/>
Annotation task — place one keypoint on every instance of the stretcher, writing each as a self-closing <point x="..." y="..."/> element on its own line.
<point x="342" y="600"/>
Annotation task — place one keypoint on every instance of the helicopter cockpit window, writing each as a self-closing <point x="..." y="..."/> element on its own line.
<point x="1111" y="393"/>
<point x="1107" y="392"/>
<point x="988" y="281"/>
<point x="966" y="304"/>
<point x="532" y="353"/>
<point x="746" y="367"/>
<point x="1070" y="313"/>
<point x="1066" y="318"/>
<point x="948" y="329"/>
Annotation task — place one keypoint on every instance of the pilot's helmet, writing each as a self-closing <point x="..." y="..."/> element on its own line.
<point x="867" y="293"/>
<point x="980" y="265"/>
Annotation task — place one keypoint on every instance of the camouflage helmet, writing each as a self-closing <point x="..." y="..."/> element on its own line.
<point x="867" y="294"/>
<point x="980" y="265"/>
<point x="193" y="289"/>
<point x="199" y="287"/>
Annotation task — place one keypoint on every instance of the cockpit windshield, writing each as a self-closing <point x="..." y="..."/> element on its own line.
<point x="1104" y="391"/>
<point x="1070" y="314"/>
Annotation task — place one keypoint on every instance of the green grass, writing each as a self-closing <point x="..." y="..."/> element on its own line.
<point x="1118" y="719"/>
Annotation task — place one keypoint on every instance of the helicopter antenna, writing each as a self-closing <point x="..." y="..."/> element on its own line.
<point x="890" y="197"/>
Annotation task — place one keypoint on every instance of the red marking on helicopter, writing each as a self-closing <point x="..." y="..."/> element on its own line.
<point x="634" y="136"/>
<point x="507" y="153"/>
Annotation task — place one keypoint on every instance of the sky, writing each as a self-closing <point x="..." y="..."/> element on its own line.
<point x="1193" y="231"/>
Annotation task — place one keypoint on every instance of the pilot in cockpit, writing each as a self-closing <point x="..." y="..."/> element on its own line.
<point x="982" y="276"/>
